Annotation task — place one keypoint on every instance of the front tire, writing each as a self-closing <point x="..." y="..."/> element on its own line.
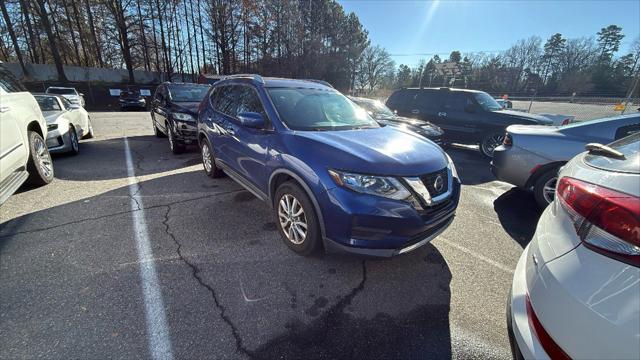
<point x="39" y="165"/>
<point x="209" y="162"/>
<point x="296" y="219"/>
<point x="73" y="139"/>
<point x="90" y="134"/>
<point x="544" y="189"/>
<point x="490" y="142"/>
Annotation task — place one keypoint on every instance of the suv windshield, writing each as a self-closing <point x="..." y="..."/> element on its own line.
<point x="48" y="103"/>
<point x="188" y="93"/>
<point x="375" y="108"/>
<point x="61" y="91"/>
<point x="487" y="102"/>
<point x="629" y="147"/>
<point x="129" y="94"/>
<point x="315" y="109"/>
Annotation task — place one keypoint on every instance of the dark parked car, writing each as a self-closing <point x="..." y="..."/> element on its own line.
<point x="384" y="116"/>
<point x="174" y="110"/>
<point x="131" y="99"/>
<point x="333" y="175"/>
<point x="466" y="116"/>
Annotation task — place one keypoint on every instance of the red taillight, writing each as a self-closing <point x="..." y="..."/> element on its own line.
<point x="508" y="140"/>
<point x="548" y="344"/>
<point x="607" y="221"/>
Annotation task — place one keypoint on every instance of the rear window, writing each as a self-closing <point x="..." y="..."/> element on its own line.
<point x="61" y="91"/>
<point x="629" y="146"/>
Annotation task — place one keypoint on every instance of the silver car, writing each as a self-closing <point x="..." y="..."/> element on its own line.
<point x="531" y="155"/>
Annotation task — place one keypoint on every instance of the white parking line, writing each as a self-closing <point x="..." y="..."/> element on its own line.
<point x="157" y="329"/>
<point x="502" y="267"/>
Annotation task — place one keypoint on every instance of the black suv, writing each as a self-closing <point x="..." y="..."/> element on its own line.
<point x="174" y="111"/>
<point x="132" y="99"/>
<point x="466" y="116"/>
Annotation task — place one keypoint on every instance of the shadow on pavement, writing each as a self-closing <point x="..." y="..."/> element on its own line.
<point x="518" y="213"/>
<point x="473" y="168"/>
<point x="81" y="255"/>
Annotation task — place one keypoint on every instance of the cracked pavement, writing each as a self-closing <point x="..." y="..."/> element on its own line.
<point x="231" y="288"/>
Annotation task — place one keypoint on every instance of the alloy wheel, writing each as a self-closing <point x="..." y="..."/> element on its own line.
<point x="206" y="157"/>
<point x="292" y="219"/>
<point x="490" y="143"/>
<point x="44" y="158"/>
<point x="549" y="189"/>
<point x="74" y="140"/>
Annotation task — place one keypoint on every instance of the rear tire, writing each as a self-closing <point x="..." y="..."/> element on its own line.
<point x="39" y="165"/>
<point x="90" y="132"/>
<point x="545" y="186"/>
<point x="209" y="162"/>
<point x="296" y="219"/>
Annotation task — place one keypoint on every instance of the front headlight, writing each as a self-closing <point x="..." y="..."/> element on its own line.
<point x="183" y="117"/>
<point x="452" y="166"/>
<point x="368" y="184"/>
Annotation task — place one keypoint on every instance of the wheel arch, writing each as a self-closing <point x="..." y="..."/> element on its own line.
<point x="35" y="126"/>
<point x="282" y="175"/>
<point x="541" y="170"/>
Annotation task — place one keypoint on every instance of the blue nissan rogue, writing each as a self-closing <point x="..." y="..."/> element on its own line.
<point x="334" y="177"/>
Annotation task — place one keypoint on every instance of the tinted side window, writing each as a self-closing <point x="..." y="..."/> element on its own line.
<point x="456" y="101"/>
<point x="66" y="103"/>
<point x="429" y="99"/>
<point x="397" y="98"/>
<point x="223" y="100"/>
<point x="627" y="130"/>
<point x="248" y="101"/>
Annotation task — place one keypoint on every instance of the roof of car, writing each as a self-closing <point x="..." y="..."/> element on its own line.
<point x="445" y="89"/>
<point x="60" y="87"/>
<point x="46" y="94"/>
<point x="276" y="82"/>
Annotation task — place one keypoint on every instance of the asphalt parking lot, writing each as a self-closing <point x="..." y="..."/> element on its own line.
<point x="70" y="267"/>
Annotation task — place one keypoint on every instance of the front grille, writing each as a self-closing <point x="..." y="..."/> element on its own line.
<point x="429" y="182"/>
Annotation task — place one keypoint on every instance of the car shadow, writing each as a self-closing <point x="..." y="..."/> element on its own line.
<point x="282" y="305"/>
<point x="102" y="159"/>
<point x="473" y="168"/>
<point x="518" y="213"/>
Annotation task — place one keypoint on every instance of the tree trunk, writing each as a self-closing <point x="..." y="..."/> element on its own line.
<point x="12" y="34"/>
<point x="186" y="18"/>
<point x="145" y="52"/>
<point x="204" y="55"/>
<point x="93" y="33"/>
<point x="32" y="42"/>
<point x="167" y="68"/>
<point x="83" y="43"/>
<point x="73" y="34"/>
<point x="56" y="33"/>
<point x="44" y="18"/>
<point x="195" y="37"/>
<point x="155" y="40"/>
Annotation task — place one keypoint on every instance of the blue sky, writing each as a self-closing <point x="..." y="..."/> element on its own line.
<point x="418" y="27"/>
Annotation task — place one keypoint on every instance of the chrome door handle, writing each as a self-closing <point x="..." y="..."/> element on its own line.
<point x="4" y="109"/>
<point x="415" y="111"/>
<point x="442" y="114"/>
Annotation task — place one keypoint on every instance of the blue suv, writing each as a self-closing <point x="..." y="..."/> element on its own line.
<point x="333" y="175"/>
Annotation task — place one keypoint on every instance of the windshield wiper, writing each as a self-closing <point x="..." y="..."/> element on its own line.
<point x="603" y="150"/>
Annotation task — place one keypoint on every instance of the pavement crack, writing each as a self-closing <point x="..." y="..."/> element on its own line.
<point x="195" y="272"/>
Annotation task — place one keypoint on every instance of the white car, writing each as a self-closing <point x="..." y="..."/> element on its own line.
<point x="23" y="153"/>
<point x="69" y="93"/>
<point x="66" y="123"/>
<point x="576" y="288"/>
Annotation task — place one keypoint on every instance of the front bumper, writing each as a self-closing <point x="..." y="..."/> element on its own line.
<point x="185" y="132"/>
<point x="58" y="141"/>
<point x="375" y="226"/>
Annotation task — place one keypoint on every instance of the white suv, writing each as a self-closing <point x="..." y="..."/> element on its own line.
<point x="68" y="93"/>
<point x="23" y="152"/>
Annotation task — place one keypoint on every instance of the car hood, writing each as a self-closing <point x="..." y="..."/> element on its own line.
<point x="186" y="107"/>
<point x="518" y="115"/>
<point x="71" y="97"/>
<point x="381" y="151"/>
<point x="51" y="116"/>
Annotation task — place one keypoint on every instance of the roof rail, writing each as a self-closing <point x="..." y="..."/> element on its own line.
<point x="325" y="83"/>
<point x="257" y="78"/>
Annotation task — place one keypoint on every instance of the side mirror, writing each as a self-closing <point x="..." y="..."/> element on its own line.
<point x="251" y="120"/>
<point x="74" y="106"/>
<point x="81" y="94"/>
<point x="470" y="108"/>
<point x="395" y="112"/>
